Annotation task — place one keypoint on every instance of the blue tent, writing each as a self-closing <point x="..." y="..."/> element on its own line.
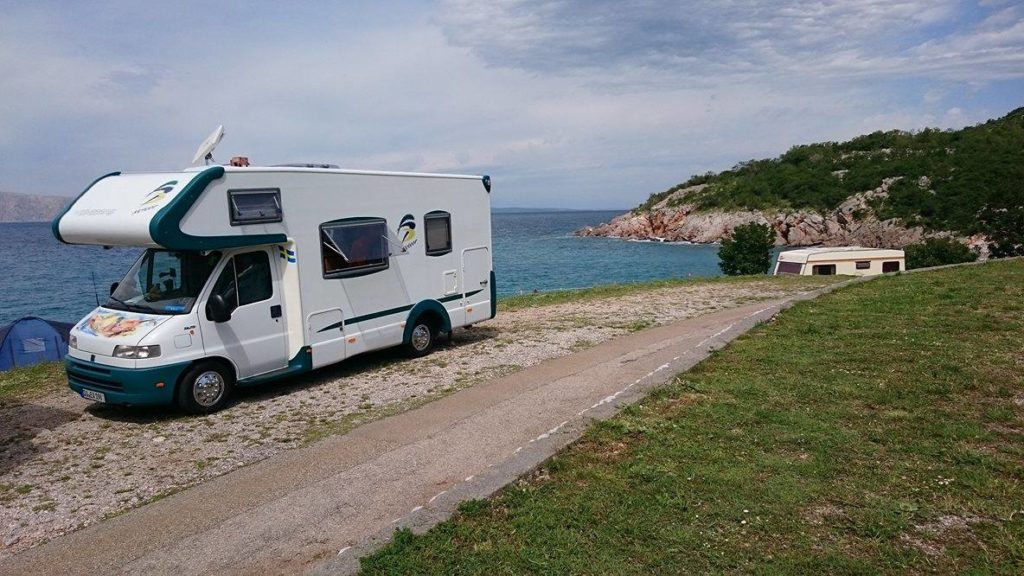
<point x="32" y="340"/>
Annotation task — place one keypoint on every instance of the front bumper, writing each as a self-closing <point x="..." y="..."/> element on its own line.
<point x="128" y="386"/>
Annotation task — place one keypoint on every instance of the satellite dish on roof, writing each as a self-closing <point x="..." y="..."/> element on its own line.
<point x="205" y="151"/>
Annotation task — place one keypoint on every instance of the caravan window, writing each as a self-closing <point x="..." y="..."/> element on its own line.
<point x="863" y="264"/>
<point x="254" y="206"/>
<point x="438" y="227"/>
<point x="789" y="267"/>
<point x="824" y="270"/>
<point x="354" y="247"/>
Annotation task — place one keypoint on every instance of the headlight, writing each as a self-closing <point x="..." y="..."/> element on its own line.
<point x="140" y="352"/>
<point x="73" y="341"/>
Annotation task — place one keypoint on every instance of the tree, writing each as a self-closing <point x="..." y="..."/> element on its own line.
<point x="748" y="250"/>
<point x="938" y="252"/>
<point x="1005" y="229"/>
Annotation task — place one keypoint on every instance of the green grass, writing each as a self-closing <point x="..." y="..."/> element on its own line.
<point x="878" y="429"/>
<point x="31" y="382"/>
<point x="519" y="302"/>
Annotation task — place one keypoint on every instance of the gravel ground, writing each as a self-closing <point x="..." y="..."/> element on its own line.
<point x="66" y="463"/>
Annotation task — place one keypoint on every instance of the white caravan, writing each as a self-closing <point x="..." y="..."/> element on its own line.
<point x="849" y="260"/>
<point x="253" y="274"/>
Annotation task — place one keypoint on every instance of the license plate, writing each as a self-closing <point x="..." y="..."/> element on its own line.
<point x="93" y="395"/>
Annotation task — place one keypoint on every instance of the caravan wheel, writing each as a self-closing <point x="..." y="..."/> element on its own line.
<point x="421" y="341"/>
<point x="205" y="388"/>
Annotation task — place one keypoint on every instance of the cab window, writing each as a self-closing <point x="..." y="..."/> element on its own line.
<point x="245" y="279"/>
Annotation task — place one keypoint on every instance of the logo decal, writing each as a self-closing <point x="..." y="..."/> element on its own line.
<point x="154" y="198"/>
<point x="159" y="193"/>
<point x="407" y="231"/>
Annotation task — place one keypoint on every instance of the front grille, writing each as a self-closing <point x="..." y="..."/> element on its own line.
<point x="93" y="376"/>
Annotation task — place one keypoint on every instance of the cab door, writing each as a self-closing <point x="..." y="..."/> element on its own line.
<point x="255" y="336"/>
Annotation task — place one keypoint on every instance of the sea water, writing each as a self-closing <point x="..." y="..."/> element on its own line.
<point x="533" y="251"/>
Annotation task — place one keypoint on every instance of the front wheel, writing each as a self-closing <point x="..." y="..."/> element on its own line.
<point x="421" y="341"/>
<point x="205" y="388"/>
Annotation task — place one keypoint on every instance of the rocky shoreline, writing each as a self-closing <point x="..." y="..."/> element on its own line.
<point x="678" y="219"/>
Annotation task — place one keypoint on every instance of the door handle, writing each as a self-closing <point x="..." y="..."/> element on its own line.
<point x="275" y="311"/>
<point x="484" y="283"/>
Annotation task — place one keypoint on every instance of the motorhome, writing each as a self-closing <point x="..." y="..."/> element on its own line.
<point x="251" y="274"/>
<point x="848" y="260"/>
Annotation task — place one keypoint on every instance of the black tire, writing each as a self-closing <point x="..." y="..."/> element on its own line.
<point x="422" y="338"/>
<point x="205" y="388"/>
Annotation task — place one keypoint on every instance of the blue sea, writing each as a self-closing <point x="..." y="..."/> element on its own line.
<point x="533" y="251"/>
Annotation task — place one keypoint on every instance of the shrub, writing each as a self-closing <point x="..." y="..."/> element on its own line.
<point x="938" y="252"/>
<point x="748" y="251"/>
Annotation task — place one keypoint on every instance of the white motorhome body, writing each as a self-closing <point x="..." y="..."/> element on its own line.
<point x="310" y="265"/>
<point x="848" y="260"/>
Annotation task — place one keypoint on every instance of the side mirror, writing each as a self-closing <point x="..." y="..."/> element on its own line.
<point x="217" y="309"/>
<point x="113" y="287"/>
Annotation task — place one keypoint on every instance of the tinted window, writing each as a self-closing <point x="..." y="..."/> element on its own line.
<point x="890" y="266"/>
<point x="245" y="279"/>
<point x="252" y="272"/>
<point x="863" y="265"/>
<point x="824" y="270"/>
<point x="354" y="247"/>
<point x="789" y="267"/>
<point x="439" y="233"/>
<point x="254" y="206"/>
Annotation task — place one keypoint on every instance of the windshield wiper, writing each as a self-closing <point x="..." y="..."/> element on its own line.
<point x="130" y="307"/>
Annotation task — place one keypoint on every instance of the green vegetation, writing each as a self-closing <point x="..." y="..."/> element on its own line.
<point x="856" y="433"/>
<point x="748" y="250"/>
<point x="31" y="382"/>
<point x="938" y="252"/>
<point x="947" y="177"/>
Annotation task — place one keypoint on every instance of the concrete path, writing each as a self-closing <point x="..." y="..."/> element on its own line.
<point x="319" y="508"/>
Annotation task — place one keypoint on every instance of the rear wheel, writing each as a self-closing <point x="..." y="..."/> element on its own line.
<point x="422" y="338"/>
<point x="205" y="388"/>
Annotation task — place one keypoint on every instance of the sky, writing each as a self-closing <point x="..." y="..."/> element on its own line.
<point x="566" y="103"/>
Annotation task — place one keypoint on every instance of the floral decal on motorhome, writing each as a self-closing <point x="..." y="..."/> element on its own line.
<point x="115" y="324"/>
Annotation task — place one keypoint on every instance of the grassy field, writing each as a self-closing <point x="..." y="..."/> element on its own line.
<point x="876" y="429"/>
<point x="31" y="382"/>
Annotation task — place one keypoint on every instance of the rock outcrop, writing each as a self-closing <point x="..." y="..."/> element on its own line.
<point x="677" y="219"/>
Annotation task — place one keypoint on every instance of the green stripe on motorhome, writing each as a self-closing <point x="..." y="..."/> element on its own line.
<point x="389" y="312"/>
<point x="165" y="227"/>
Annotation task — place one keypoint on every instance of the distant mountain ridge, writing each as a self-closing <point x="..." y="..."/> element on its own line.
<point x="884" y="189"/>
<point x="16" y="207"/>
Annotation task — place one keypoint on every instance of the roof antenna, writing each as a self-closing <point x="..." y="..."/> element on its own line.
<point x="205" y="151"/>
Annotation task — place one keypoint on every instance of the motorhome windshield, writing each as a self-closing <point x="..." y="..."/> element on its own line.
<point x="163" y="282"/>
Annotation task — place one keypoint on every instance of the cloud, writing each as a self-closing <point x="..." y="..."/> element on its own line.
<point x="564" y="103"/>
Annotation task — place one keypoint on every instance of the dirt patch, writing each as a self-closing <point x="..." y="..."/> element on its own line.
<point x="66" y="463"/>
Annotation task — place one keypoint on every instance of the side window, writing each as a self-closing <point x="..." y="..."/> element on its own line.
<point x="245" y="279"/>
<point x="892" y="266"/>
<point x="354" y="247"/>
<point x="254" y="206"/>
<point x="824" y="270"/>
<point x="438" y="227"/>
<point x="863" y="265"/>
<point x="252" y="273"/>
<point x="790" y="267"/>
<point x="226" y="287"/>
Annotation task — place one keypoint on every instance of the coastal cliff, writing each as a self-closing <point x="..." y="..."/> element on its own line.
<point x="853" y="222"/>
<point x="884" y="189"/>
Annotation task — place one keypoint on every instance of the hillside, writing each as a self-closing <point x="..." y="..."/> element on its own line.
<point x="28" y="207"/>
<point x="881" y="189"/>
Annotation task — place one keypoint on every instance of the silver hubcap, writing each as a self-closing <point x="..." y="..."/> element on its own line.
<point x="208" y="388"/>
<point x="420" y="337"/>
